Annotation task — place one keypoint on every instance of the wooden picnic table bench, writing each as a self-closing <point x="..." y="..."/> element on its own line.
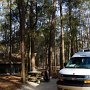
<point x="34" y="76"/>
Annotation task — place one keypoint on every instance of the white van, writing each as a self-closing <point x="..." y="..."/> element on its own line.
<point x="76" y="73"/>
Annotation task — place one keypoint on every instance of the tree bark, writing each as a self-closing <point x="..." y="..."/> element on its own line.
<point x="21" y="7"/>
<point x="62" y="56"/>
<point x="70" y="26"/>
<point x="52" y="38"/>
<point x="33" y="22"/>
<point x="10" y="52"/>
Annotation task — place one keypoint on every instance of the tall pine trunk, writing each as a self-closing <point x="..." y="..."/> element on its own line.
<point x="22" y="34"/>
<point x="32" y="33"/>
<point x="62" y="57"/>
<point x="10" y="52"/>
<point x="70" y="26"/>
<point x="52" y="38"/>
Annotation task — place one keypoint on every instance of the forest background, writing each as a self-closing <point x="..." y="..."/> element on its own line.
<point x="43" y="33"/>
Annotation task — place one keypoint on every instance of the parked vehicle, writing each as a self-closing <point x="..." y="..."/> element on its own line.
<point x="76" y="73"/>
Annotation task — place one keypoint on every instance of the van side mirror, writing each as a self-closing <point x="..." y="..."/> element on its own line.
<point x="65" y="64"/>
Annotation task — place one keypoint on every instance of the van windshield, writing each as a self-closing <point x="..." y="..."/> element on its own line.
<point x="79" y="62"/>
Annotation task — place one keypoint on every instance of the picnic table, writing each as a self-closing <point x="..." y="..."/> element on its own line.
<point x="34" y="76"/>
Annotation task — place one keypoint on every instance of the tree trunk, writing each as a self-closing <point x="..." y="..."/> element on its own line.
<point x="32" y="54"/>
<point x="52" y="38"/>
<point x="33" y="22"/>
<point x="62" y="57"/>
<point x="21" y="7"/>
<point x="32" y="36"/>
<point x="70" y="26"/>
<point x="10" y="52"/>
<point x="29" y="54"/>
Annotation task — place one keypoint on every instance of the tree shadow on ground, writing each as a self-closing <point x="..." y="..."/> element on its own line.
<point x="10" y="82"/>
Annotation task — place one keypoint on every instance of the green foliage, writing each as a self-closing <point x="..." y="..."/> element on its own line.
<point x="42" y="21"/>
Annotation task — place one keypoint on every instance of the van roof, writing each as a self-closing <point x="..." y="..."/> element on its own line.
<point x="85" y="50"/>
<point x="81" y="54"/>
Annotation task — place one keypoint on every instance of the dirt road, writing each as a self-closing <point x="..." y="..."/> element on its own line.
<point x="42" y="86"/>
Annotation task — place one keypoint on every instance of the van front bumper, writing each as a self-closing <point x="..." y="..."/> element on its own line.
<point x="62" y="87"/>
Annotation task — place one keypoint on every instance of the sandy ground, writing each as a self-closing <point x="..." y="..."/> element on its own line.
<point x="10" y="82"/>
<point x="42" y="86"/>
<point x="14" y="83"/>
